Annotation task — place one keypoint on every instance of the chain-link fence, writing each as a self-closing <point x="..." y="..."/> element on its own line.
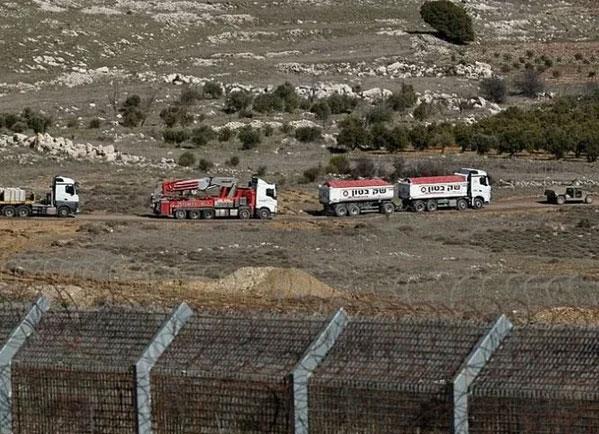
<point x="126" y="371"/>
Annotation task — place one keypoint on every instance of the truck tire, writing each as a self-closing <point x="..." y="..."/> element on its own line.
<point x="461" y="205"/>
<point x="340" y="210"/>
<point x="588" y="199"/>
<point x="431" y="205"/>
<point x="9" y="211"/>
<point x="353" y="210"/>
<point x="180" y="214"/>
<point x="478" y="203"/>
<point x="419" y="206"/>
<point x="208" y="214"/>
<point x="387" y="208"/>
<point x="244" y="213"/>
<point x="23" y="211"/>
<point x="560" y="200"/>
<point x="194" y="214"/>
<point x="263" y="213"/>
<point x="63" y="212"/>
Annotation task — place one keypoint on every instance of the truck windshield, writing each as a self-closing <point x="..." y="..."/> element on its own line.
<point x="271" y="192"/>
<point x="70" y="189"/>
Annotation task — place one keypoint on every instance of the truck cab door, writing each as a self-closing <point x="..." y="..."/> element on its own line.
<point x="480" y="187"/>
<point x="65" y="194"/>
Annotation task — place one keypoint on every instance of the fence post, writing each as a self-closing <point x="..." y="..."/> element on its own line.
<point x="15" y="341"/>
<point x="317" y="351"/>
<point x="160" y="342"/>
<point x="472" y="366"/>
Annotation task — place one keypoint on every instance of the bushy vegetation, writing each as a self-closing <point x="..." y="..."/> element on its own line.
<point x="339" y="164"/>
<point x="202" y="135"/>
<point x="26" y="120"/>
<point x="311" y="174"/>
<point x="132" y="114"/>
<point x="190" y="95"/>
<point x="451" y="21"/>
<point x="205" y="165"/>
<point x="249" y="137"/>
<point x="94" y="123"/>
<point x="187" y="159"/>
<point x="308" y="134"/>
<point x="177" y="114"/>
<point x="233" y="161"/>
<point x="494" y="89"/>
<point x="403" y="99"/>
<point x="212" y="90"/>
<point x="238" y="101"/>
<point x="225" y="134"/>
<point x="340" y="104"/>
<point x="322" y="110"/>
<point x="176" y="136"/>
<point x="530" y="83"/>
<point x="570" y="125"/>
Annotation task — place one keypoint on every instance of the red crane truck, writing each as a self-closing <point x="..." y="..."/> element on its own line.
<point x="215" y="197"/>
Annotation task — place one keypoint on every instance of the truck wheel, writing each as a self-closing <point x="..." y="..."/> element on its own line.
<point x="461" y="204"/>
<point x="263" y="213"/>
<point x="340" y="210"/>
<point x="387" y="208"/>
<point x="431" y="205"/>
<point x="63" y="212"/>
<point x="180" y="214"/>
<point x="478" y="203"/>
<point x="588" y="199"/>
<point x="244" y="213"/>
<point x="560" y="200"/>
<point x="419" y="206"/>
<point x="208" y="214"/>
<point x="194" y="214"/>
<point x="353" y="210"/>
<point x="23" y="211"/>
<point x="9" y="211"/>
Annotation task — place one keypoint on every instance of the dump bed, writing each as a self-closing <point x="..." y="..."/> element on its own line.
<point x="433" y="187"/>
<point x="337" y="191"/>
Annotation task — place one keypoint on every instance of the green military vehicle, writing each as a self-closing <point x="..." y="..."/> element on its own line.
<point x="570" y="194"/>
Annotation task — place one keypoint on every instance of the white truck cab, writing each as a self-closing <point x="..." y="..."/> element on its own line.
<point x="266" y="196"/>
<point x="64" y="194"/>
<point x="478" y="183"/>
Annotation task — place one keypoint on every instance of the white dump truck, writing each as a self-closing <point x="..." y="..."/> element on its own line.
<point x="342" y="197"/>
<point x="467" y="188"/>
<point x="61" y="201"/>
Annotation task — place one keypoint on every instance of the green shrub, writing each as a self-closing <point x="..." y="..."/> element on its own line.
<point x="212" y="90"/>
<point x="268" y="102"/>
<point x="392" y="140"/>
<point x="483" y="143"/>
<point x="233" y="161"/>
<point x="38" y="123"/>
<point x="339" y="165"/>
<point x="420" y="137"/>
<point x="322" y="110"/>
<point x="402" y="100"/>
<point x="353" y="134"/>
<point x="19" y="127"/>
<point x="176" y="114"/>
<point x="131" y="112"/>
<point x="530" y="83"/>
<point x="494" y="89"/>
<point x="187" y="159"/>
<point x="71" y="123"/>
<point x="202" y="135"/>
<point x="237" y="101"/>
<point x="308" y="134"/>
<point x="189" y="96"/>
<point x="249" y="137"/>
<point x="177" y="136"/>
<point x="378" y="114"/>
<point x="287" y="93"/>
<point x="286" y="128"/>
<point x="450" y="20"/>
<point x="366" y="168"/>
<point x="205" y="165"/>
<point x="340" y="104"/>
<point x="261" y="171"/>
<point x="268" y="130"/>
<point x="423" y="111"/>
<point x="225" y="134"/>
<point x="95" y="123"/>
<point x="311" y="174"/>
